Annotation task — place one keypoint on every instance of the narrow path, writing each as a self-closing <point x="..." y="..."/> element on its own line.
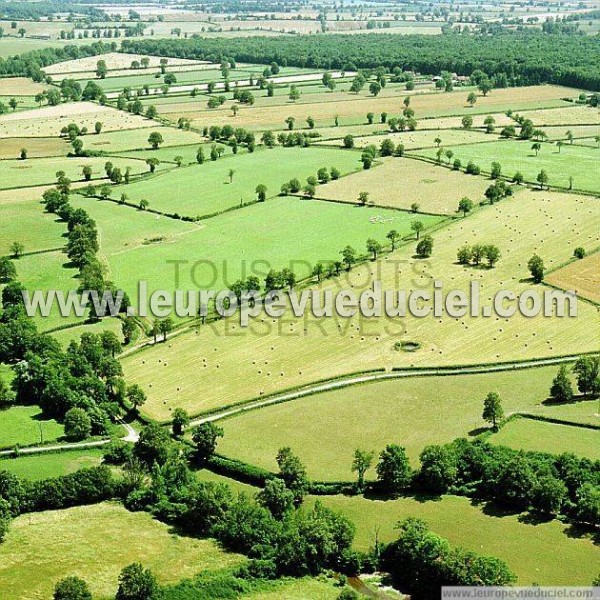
<point x="342" y="383"/>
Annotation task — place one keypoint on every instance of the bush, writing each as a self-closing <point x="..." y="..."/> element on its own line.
<point x="118" y="452"/>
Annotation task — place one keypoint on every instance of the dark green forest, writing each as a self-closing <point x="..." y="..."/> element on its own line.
<point x="524" y="57"/>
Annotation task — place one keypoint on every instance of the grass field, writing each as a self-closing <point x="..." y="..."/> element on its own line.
<point x="400" y="182"/>
<point x="411" y="412"/>
<point x="35" y="172"/>
<point x="583" y="276"/>
<point x="52" y="464"/>
<point x="205" y="189"/>
<point x="49" y="120"/>
<point x="25" y="221"/>
<point x="137" y="139"/>
<point x="25" y="426"/>
<point x="353" y="110"/>
<point x="168" y="153"/>
<point x="259" y="360"/>
<point x="549" y="553"/>
<point x="576" y="161"/>
<point x="528" y="434"/>
<point x="138" y="246"/>
<point x="95" y="543"/>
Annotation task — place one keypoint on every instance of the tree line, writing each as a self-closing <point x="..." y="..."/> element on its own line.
<point x="522" y="57"/>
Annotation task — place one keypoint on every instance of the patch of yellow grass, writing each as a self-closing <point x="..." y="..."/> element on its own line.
<point x="400" y="182"/>
<point x="95" y="543"/>
<point x="20" y="86"/>
<point x="583" y="276"/>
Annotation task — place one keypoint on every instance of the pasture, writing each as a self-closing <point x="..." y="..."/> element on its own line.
<point x="583" y="276"/>
<point x="95" y="543"/>
<point x="24" y="425"/>
<point x="564" y="116"/>
<point x="35" y="172"/>
<point x="246" y="363"/>
<point x="207" y="188"/>
<point x="139" y="246"/>
<point x="549" y="553"/>
<point x="41" y="147"/>
<point x="25" y="221"/>
<point x="412" y="412"/>
<point x="539" y="436"/>
<point x="401" y="182"/>
<point x="50" y="464"/>
<point x="578" y="162"/>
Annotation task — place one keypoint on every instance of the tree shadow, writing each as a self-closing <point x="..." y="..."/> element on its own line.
<point x="493" y="509"/>
<point x="534" y="518"/>
<point x="581" y="532"/>
<point x="479" y="430"/>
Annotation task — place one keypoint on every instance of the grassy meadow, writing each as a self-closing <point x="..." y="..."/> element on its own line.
<point x="412" y="412"/>
<point x="50" y="464"/>
<point x="25" y="426"/>
<point x="205" y="189"/>
<point x="96" y="542"/>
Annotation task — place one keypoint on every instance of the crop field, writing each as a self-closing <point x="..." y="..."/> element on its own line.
<point x="549" y="553"/>
<point x="528" y="434"/>
<point x="25" y="426"/>
<point x="582" y="134"/>
<point x="354" y="110"/>
<point x="583" y="276"/>
<point x="20" y="86"/>
<point x="264" y="359"/>
<point x="568" y="115"/>
<point x="114" y="61"/>
<point x="578" y="162"/>
<point x="25" y="173"/>
<point x="96" y="542"/>
<point x="49" y="120"/>
<point x="400" y="182"/>
<point x="426" y="139"/>
<point x="51" y="464"/>
<point x="272" y="238"/>
<point x="410" y="411"/>
<point x="41" y="147"/>
<point x="217" y="192"/>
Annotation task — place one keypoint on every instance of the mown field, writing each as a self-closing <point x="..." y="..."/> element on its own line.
<point x="412" y="412"/>
<point x="95" y="543"/>
<point x="528" y="434"/>
<point x="401" y="182"/>
<point x="353" y="109"/>
<point x="51" y="464"/>
<point x="427" y="139"/>
<point x="583" y="276"/>
<point x="49" y="120"/>
<point x="549" y="553"/>
<point x="24" y="425"/>
<point x="206" y="189"/>
<point x="578" y="162"/>
<point x="259" y="360"/>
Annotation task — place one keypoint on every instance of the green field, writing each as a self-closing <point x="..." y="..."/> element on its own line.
<point x="95" y="543"/>
<point x="25" y="426"/>
<point x="25" y="222"/>
<point x="49" y="271"/>
<point x="272" y="236"/>
<point x="51" y="464"/>
<point x="412" y="412"/>
<point x="206" y="189"/>
<point x="31" y="172"/>
<point x="548" y="553"/>
<point x="528" y="434"/>
<point x="577" y="161"/>
<point x="168" y="153"/>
